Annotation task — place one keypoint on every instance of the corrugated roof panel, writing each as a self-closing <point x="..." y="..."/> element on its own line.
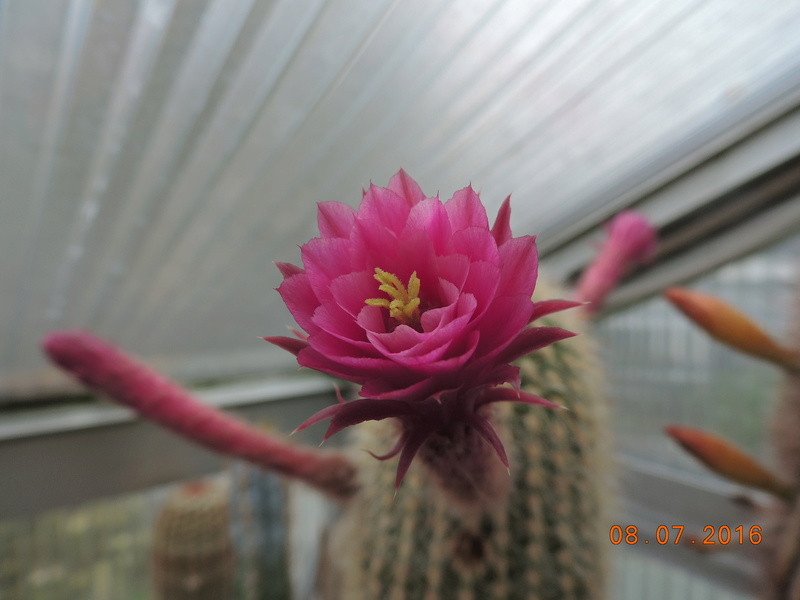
<point x="156" y="156"/>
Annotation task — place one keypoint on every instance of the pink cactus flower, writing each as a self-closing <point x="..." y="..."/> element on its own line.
<point x="422" y="304"/>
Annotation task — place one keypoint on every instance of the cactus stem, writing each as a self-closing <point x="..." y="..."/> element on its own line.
<point x="108" y="370"/>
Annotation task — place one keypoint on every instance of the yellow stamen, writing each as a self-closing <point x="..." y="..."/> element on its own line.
<point x="404" y="303"/>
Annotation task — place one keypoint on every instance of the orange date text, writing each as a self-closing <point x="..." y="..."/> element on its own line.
<point x="662" y="535"/>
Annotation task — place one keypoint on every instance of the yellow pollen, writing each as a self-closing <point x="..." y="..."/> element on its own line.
<point x="404" y="303"/>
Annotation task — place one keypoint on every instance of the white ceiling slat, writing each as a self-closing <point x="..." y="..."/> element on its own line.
<point x="595" y="150"/>
<point x="215" y="36"/>
<point x="288" y="218"/>
<point x="163" y="30"/>
<point x="230" y="122"/>
<point x="570" y="85"/>
<point x="142" y="51"/>
<point x="78" y="13"/>
<point x="289" y="27"/>
<point x="274" y="126"/>
<point x="218" y="255"/>
<point x="156" y="156"/>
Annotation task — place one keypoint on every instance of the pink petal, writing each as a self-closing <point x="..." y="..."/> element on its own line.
<point x="334" y="320"/>
<point x="476" y="243"/>
<point x="503" y="321"/>
<point x="372" y="319"/>
<point x="300" y="299"/>
<point x="448" y="319"/>
<point x="415" y="356"/>
<point x="405" y="187"/>
<point x="466" y="210"/>
<point x="335" y="219"/>
<point x="520" y="266"/>
<point x="344" y="351"/>
<point x="453" y="268"/>
<point x="430" y="217"/>
<point x="482" y="282"/>
<point x="350" y="291"/>
<point x="460" y="356"/>
<point x="543" y="308"/>
<point x="384" y="208"/>
<point x="292" y="345"/>
<point x="372" y="245"/>
<point x="310" y="358"/>
<point x="447" y="293"/>
<point x="501" y="230"/>
<point x="434" y="318"/>
<point x="326" y="259"/>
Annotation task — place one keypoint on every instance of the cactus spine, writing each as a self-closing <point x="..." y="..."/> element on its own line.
<point x="192" y="550"/>
<point x="543" y="541"/>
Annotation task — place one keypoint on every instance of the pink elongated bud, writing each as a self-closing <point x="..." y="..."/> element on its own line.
<point x="107" y="370"/>
<point x="631" y="241"/>
<point x="730" y="462"/>
<point x="730" y="326"/>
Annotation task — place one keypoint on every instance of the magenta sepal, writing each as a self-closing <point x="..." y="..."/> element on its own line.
<point x="506" y="394"/>
<point x="532" y="339"/>
<point x="488" y="433"/>
<point x="543" y="308"/>
<point x="292" y="345"/>
<point x="412" y="445"/>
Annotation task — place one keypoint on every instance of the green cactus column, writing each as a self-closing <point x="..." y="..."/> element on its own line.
<point x="547" y="539"/>
<point x="192" y="551"/>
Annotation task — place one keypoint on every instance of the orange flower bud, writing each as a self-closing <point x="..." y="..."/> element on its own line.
<point x="731" y="327"/>
<point x="727" y="460"/>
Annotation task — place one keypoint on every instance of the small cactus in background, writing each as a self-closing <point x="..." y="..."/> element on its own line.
<point x="780" y="552"/>
<point x="193" y="556"/>
<point x="507" y="499"/>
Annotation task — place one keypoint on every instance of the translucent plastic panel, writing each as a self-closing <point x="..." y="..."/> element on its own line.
<point x="155" y="156"/>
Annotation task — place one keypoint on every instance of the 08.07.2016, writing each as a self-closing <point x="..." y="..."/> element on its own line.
<point x="714" y="535"/>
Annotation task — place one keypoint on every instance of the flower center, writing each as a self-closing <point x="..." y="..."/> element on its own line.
<point x="404" y="303"/>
